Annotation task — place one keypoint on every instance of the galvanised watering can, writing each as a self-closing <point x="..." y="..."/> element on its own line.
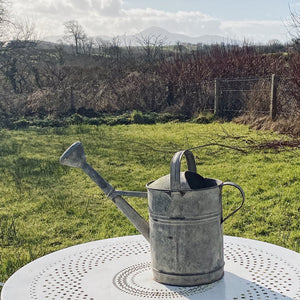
<point x="185" y="219"/>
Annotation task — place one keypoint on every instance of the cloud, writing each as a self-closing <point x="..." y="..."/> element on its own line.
<point x="190" y="23"/>
<point x="107" y="7"/>
<point x="108" y="17"/>
<point x="261" y="31"/>
<point x="68" y="7"/>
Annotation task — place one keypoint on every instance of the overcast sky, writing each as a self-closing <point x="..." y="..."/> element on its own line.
<point x="253" y="20"/>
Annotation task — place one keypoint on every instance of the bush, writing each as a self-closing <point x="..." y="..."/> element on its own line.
<point x="22" y="123"/>
<point x="47" y="122"/>
<point x="87" y="112"/>
<point x="94" y="121"/>
<point x="75" y="119"/>
<point x="204" y="118"/>
<point x="6" y="122"/>
<point x="150" y="118"/>
<point x="118" y="120"/>
<point x="138" y="117"/>
<point x="168" y="117"/>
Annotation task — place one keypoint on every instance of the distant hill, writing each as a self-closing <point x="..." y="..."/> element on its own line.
<point x="174" y="38"/>
<point x="168" y="37"/>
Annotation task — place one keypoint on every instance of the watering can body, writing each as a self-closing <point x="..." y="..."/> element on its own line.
<point x="185" y="228"/>
<point x="186" y="232"/>
<point x="186" y="235"/>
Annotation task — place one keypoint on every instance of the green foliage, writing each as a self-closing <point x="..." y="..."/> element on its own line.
<point x="13" y="123"/>
<point x="139" y="117"/>
<point x="134" y="117"/>
<point x="123" y="119"/>
<point x="204" y="118"/>
<point x="75" y="119"/>
<point x="168" y="117"/>
<point x="46" y="122"/>
<point x="22" y="123"/>
<point x="45" y="206"/>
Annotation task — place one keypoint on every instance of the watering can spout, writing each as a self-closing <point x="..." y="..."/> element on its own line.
<point x="74" y="156"/>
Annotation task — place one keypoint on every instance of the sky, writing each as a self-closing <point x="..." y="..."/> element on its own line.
<point x="258" y="21"/>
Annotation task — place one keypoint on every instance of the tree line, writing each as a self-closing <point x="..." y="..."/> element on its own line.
<point x="96" y="76"/>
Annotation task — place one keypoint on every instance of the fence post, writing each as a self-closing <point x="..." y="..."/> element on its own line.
<point x="273" y="98"/>
<point x="217" y="98"/>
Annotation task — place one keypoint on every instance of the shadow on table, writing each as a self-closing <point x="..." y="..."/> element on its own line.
<point x="230" y="286"/>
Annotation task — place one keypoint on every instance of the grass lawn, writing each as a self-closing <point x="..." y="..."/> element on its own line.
<point x="45" y="206"/>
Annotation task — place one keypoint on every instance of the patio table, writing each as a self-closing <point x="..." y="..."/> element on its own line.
<point x="119" y="268"/>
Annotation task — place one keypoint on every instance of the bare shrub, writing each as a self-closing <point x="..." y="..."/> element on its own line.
<point x="258" y="99"/>
<point x="47" y="102"/>
<point x="139" y="91"/>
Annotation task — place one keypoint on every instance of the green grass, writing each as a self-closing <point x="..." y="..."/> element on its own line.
<point x="45" y="206"/>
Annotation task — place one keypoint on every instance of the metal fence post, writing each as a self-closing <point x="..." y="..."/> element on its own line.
<point x="273" y="97"/>
<point x="217" y="98"/>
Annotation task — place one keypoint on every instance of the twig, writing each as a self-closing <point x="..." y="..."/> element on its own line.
<point x="273" y="144"/>
<point x="278" y="144"/>
<point x="220" y="145"/>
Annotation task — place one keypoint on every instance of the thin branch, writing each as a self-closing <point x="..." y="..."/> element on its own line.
<point x="220" y="145"/>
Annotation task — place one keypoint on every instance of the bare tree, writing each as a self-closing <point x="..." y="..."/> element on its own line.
<point x="180" y="49"/>
<point x="152" y="46"/>
<point x="294" y="26"/>
<point x="114" y="48"/>
<point x="99" y="43"/>
<point x="25" y="30"/>
<point x="88" y="46"/>
<point x="102" y="46"/>
<point x="295" y="18"/>
<point x="110" y="49"/>
<point x="3" y="16"/>
<point x="75" y="32"/>
<point x="2" y="11"/>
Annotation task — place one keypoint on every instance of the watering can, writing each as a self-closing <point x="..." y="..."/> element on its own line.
<point x="185" y="219"/>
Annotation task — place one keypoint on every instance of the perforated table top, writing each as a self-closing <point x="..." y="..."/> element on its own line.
<point x="119" y="268"/>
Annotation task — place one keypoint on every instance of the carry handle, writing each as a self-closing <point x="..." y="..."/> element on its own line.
<point x="243" y="196"/>
<point x="175" y="168"/>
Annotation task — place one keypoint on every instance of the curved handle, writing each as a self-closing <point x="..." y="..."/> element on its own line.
<point x="243" y="196"/>
<point x="175" y="167"/>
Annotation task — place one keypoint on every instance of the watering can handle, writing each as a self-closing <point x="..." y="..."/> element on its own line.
<point x="175" y="168"/>
<point x="243" y="196"/>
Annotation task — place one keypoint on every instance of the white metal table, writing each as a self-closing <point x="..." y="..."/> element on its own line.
<point x="119" y="268"/>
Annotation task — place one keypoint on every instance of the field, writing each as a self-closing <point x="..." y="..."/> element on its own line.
<point x="45" y="206"/>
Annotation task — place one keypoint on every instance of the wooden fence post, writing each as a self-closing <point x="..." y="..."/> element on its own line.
<point x="273" y="98"/>
<point x="217" y="98"/>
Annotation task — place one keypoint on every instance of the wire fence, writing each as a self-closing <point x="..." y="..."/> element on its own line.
<point x="242" y="95"/>
<point x="271" y="96"/>
<point x="230" y="97"/>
